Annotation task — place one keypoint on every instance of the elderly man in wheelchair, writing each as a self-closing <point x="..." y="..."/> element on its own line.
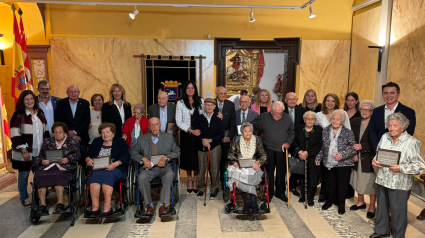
<point x="154" y="153"/>
<point x="246" y="156"/>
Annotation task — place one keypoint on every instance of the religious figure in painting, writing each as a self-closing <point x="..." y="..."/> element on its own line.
<point x="235" y="72"/>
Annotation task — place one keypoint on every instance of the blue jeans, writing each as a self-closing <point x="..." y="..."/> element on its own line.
<point x="23" y="184"/>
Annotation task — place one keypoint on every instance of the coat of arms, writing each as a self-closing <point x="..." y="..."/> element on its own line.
<point x="172" y="89"/>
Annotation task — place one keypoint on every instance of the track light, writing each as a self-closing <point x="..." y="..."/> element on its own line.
<point x="251" y="16"/>
<point x="312" y="15"/>
<point x="134" y="13"/>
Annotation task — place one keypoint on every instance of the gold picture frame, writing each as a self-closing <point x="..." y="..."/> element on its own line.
<point x="241" y="70"/>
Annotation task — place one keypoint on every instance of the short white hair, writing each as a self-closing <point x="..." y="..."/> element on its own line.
<point x="370" y="102"/>
<point x="398" y="116"/>
<point x="341" y="112"/>
<point x="278" y="104"/>
<point x="309" y="113"/>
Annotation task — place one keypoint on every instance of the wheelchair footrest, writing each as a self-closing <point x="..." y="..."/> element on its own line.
<point x="141" y="214"/>
<point x="68" y="210"/>
<point x="116" y="214"/>
<point x="171" y="212"/>
<point x="88" y="215"/>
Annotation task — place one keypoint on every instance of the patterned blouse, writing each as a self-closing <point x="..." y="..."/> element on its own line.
<point x="71" y="150"/>
<point x="411" y="162"/>
<point x="234" y="152"/>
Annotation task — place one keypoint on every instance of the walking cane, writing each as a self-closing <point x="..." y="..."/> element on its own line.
<point x="206" y="180"/>
<point x="287" y="176"/>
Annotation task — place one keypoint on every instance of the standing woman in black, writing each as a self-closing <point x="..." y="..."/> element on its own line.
<point x="117" y="110"/>
<point x="189" y="107"/>
<point x="310" y="102"/>
<point x="351" y="105"/>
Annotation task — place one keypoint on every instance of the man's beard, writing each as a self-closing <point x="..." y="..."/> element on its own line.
<point x="45" y="95"/>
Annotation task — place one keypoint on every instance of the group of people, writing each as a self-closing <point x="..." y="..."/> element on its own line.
<point x="338" y="146"/>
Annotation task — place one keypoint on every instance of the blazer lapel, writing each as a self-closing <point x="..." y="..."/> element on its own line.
<point x="68" y="109"/>
<point x="78" y="109"/>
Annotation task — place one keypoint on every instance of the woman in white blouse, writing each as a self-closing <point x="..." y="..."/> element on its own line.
<point x="330" y="103"/>
<point x="189" y="107"/>
<point x="95" y="116"/>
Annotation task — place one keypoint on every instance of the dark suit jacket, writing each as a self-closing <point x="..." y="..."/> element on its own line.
<point x="212" y="131"/>
<point x="314" y="147"/>
<point x="367" y="152"/>
<point x="229" y="117"/>
<point x="299" y="113"/>
<point x="111" y="114"/>
<point x="80" y="123"/>
<point x="166" y="146"/>
<point x="119" y="152"/>
<point x="249" y="118"/>
<point x="171" y="115"/>
<point x="377" y="123"/>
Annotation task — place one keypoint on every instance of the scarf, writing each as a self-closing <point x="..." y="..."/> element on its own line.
<point x="248" y="151"/>
<point x="333" y="148"/>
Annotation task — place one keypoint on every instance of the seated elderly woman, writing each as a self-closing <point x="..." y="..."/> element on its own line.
<point x="57" y="174"/>
<point x="115" y="147"/>
<point x="336" y="156"/>
<point x="247" y="147"/>
<point x="394" y="182"/>
<point x="307" y="144"/>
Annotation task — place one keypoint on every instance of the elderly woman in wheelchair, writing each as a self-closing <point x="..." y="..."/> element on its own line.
<point x="52" y="173"/>
<point x="247" y="155"/>
<point x="117" y="150"/>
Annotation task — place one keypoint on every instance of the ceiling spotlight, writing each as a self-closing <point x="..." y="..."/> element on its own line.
<point x="134" y="13"/>
<point x="251" y="16"/>
<point x="312" y="15"/>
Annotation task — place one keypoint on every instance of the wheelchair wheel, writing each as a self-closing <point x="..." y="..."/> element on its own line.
<point x="226" y="193"/>
<point x="129" y="191"/>
<point x="79" y="183"/>
<point x="34" y="219"/>
<point x="133" y="186"/>
<point x="229" y="207"/>
<point x="176" y="185"/>
<point x="263" y="206"/>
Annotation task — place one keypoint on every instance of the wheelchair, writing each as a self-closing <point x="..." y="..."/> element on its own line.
<point x="74" y="188"/>
<point x="138" y="199"/>
<point x="229" y="197"/>
<point x="120" y="187"/>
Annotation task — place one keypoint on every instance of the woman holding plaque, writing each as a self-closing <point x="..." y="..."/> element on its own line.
<point x="106" y="146"/>
<point x="247" y="147"/>
<point x="394" y="180"/>
<point x="117" y="110"/>
<point x="56" y="173"/>
<point x="95" y="116"/>
<point x="363" y="176"/>
<point x="336" y="155"/>
<point x="135" y="126"/>
<point x="28" y="129"/>
<point x="263" y="102"/>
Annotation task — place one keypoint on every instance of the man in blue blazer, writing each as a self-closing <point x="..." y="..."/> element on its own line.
<point x="249" y="114"/>
<point x="377" y="127"/>
<point x="47" y="103"/>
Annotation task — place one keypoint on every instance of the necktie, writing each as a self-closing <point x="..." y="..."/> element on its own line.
<point x="243" y="117"/>
<point x="290" y="114"/>
<point x="220" y="108"/>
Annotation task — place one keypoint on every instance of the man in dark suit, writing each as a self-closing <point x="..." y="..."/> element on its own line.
<point x="225" y="110"/>
<point x="47" y="103"/>
<point x="75" y="113"/>
<point x="244" y="114"/>
<point x="377" y="127"/>
<point x="166" y="112"/>
<point x="296" y="114"/>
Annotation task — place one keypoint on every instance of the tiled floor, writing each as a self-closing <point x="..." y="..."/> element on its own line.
<point x="193" y="219"/>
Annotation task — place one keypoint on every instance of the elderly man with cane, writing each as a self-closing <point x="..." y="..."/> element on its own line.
<point x="209" y="141"/>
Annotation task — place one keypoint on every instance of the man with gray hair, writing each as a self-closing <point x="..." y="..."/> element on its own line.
<point x="244" y="114"/>
<point x="166" y="112"/>
<point x="47" y="103"/>
<point x="278" y="133"/>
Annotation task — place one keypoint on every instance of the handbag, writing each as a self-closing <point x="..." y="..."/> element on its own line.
<point x="296" y="166"/>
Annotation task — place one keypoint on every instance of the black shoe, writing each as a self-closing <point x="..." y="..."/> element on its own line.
<point x="295" y="192"/>
<point x="355" y="207"/>
<point x="106" y="214"/>
<point x="376" y="235"/>
<point x="370" y="215"/>
<point x="60" y="208"/>
<point x="42" y="211"/>
<point x="341" y="211"/>
<point x="26" y="203"/>
<point x="189" y="190"/>
<point x="94" y="214"/>
<point x="255" y="209"/>
<point x="195" y="190"/>
<point x="246" y="209"/>
<point x="322" y="200"/>
<point x="301" y="200"/>
<point x="282" y="197"/>
<point x="200" y="194"/>
<point x="326" y="206"/>
<point x="213" y="195"/>
<point x="310" y="204"/>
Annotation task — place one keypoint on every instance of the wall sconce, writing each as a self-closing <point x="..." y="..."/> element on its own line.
<point x="379" y="56"/>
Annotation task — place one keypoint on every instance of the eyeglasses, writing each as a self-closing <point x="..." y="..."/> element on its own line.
<point x="365" y="110"/>
<point x="310" y="119"/>
<point x="137" y="113"/>
<point x="44" y="89"/>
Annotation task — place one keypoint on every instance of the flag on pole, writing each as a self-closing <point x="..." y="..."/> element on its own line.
<point x="23" y="44"/>
<point x="19" y="81"/>
<point x="5" y="123"/>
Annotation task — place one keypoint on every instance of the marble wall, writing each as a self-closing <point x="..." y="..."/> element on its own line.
<point x="94" y="64"/>
<point x="364" y="61"/>
<point x="324" y="67"/>
<point x="407" y="53"/>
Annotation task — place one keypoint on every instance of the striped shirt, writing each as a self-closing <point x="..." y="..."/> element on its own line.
<point x="411" y="162"/>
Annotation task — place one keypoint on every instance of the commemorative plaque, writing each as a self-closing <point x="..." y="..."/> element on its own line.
<point x="387" y="158"/>
<point x="245" y="163"/>
<point x="170" y="126"/>
<point x="155" y="159"/>
<point x="53" y="156"/>
<point x="101" y="163"/>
